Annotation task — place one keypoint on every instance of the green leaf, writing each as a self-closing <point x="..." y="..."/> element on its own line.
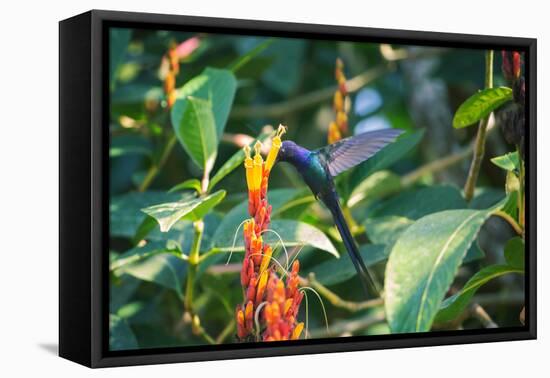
<point x="214" y="85"/>
<point x="121" y="336"/>
<point x="417" y="203"/>
<point x="385" y="230"/>
<point x="292" y="233"/>
<point x="141" y="253"/>
<point x="119" y="38"/>
<point x="196" y="131"/>
<point x="508" y="162"/>
<point x="167" y="214"/>
<point x="125" y="210"/>
<point x="377" y="185"/>
<point x="480" y="105"/>
<point x="455" y="304"/>
<point x="148" y="225"/>
<point x="151" y="264"/>
<point x="187" y="184"/>
<point x="514" y="253"/>
<point x="334" y="271"/>
<point x="423" y="263"/>
<point x="386" y="157"/>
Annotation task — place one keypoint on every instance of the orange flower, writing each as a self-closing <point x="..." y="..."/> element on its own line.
<point x="276" y="301"/>
<point x="339" y="128"/>
<point x="170" y="66"/>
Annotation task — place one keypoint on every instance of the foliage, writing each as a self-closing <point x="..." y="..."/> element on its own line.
<point x="179" y="196"/>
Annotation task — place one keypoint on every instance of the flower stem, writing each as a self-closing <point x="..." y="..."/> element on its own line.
<point x="193" y="263"/>
<point x="517" y="228"/>
<point x="335" y="300"/>
<point x="479" y="148"/>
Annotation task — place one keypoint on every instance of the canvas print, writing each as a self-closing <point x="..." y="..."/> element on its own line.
<point x="277" y="190"/>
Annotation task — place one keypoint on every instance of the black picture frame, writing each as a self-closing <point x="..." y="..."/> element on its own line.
<point x="83" y="181"/>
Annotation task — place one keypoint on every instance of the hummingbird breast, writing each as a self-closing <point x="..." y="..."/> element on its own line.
<point x="317" y="177"/>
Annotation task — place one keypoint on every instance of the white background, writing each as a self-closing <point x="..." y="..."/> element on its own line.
<point x="29" y="187"/>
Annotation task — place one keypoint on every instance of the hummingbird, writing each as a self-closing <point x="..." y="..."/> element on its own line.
<point x="318" y="169"/>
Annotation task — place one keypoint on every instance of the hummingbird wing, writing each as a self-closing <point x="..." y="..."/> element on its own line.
<point x="349" y="152"/>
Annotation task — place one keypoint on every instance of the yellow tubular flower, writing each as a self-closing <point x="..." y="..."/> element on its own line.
<point x="288" y="303"/>
<point x="297" y="331"/>
<point x="248" y="164"/>
<point x="261" y="287"/>
<point x="275" y="147"/>
<point x="266" y="258"/>
<point x="258" y="166"/>
<point x="334" y="134"/>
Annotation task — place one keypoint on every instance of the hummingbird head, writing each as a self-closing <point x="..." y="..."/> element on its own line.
<point x="287" y="151"/>
<point x="292" y="153"/>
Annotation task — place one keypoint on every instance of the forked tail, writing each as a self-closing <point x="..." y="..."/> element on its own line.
<point x="366" y="279"/>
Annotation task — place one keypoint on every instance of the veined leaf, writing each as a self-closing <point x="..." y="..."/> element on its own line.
<point x="386" y="157"/>
<point x="292" y="233"/>
<point x="508" y="162"/>
<point x="423" y="263"/>
<point x="217" y="86"/>
<point x="125" y="212"/>
<point x="386" y="230"/>
<point x="164" y="269"/>
<point x="196" y="131"/>
<point x="167" y="214"/>
<point x="455" y="304"/>
<point x="334" y="271"/>
<point x="480" y="105"/>
<point x="136" y="254"/>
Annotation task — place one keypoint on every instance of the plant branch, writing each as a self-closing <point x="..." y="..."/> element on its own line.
<point x="436" y="166"/>
<point x="229" y="328"/>
<point x="198" y="330"/>
<point x="348" y="327"/>
<point x="154" y="169"/>
<point x="279" y="109"/>
<point x="335" y="300"/>
<point x="479" y="148"/>
<point x="517" y="228"/>
<point x="479" y="312"/>
<point x="193" y="263"/>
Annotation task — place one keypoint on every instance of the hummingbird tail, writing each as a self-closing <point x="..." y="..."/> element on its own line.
<point x="366" y="278"/>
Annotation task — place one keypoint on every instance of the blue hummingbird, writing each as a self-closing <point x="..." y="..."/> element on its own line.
<point x="318" y="169"/>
